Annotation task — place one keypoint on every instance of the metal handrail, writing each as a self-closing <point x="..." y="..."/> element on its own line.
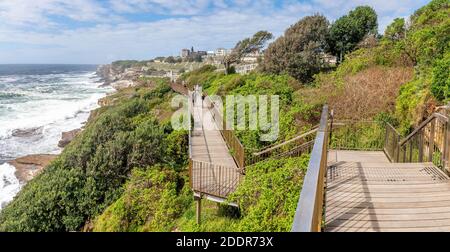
<point x="214" y="179"/>
<point x="422" y="125"/>
<point x="308" y="216"/>
<point x="391" y="143"/>
<point x="190" y="108"/>
<point x="270" y="148"/>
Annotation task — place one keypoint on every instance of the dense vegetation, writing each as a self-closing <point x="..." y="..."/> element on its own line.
<point x="297" y="51"/>
<point x="295" y="115"/>
<point x="427" y="45"/>
<point x="267" y="197"/>
<point x="89" y="174"/>
<point x="127" y="170"/>
<point x="153" y="199"/>
<point x="349" y="30"/>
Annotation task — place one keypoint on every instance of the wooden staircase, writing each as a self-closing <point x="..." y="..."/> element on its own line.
<point x="383" y="196"/>
<point x="391" y="184"/>
<point x="403" y="186"/>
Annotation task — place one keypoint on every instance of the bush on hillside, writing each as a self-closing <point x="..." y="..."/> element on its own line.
<point x="347" y="31"/>
<point x="89" y="174"/>
<point x="267" y="197"/>
<point x="269" y="194"/>
<point x="440" y="85"/>
<point x="152" y="200"/>
<point x="298" y="51"/>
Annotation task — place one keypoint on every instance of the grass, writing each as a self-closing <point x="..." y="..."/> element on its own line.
<point x="212" y="220"/>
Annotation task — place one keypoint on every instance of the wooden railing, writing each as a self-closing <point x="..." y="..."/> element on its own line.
<point x="391" y="143"/>
<point x="429" y="142"/>
<point x="293" y="147"/>
<point x="308" y="216"/>
<point x="213" y="179"/>
<point x="235" y="146"/>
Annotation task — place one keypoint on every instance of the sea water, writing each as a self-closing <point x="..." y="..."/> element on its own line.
<point x="37" y="104"/>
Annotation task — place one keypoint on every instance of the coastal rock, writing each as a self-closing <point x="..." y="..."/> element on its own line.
<point x="67" y="137"/>
<point x="29" y="166"/>
<point x="27" y="132"/>
<point x="106" y="73"/>
<point x="118" y="85"/>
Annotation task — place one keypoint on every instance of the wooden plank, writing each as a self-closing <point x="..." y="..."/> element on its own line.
<point x="390" y="224"/>
<point x="394" y="183"/>
<point x="372" y="229"/>
<point x="367" y="216"/>
<point x="405" y="194"/>
<point x="376" y="205"/>
<point x="387" y="211"/>
<point x="445" y="185"/>
<point x="368" y="198"/>
<point x="407" y="190"/>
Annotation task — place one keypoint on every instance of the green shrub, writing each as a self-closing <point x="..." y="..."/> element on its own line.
<point x="89" y="174"/>
<point x="269" y="194"/>
<point x="440" y="85"/>
<point x="152" y="199"/>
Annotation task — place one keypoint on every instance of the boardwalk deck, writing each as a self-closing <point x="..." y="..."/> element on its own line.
<point x="215" y="171"/>
<point x="367" y="193"/>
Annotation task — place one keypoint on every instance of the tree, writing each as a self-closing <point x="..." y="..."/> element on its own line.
<point x="440" y="86"/>
<point x="396" y="30"/>
<point x="350" y="29"/>
<point x="246" y="46"/>
<point x="299" y="52"/>
<point x="170" y="60"/>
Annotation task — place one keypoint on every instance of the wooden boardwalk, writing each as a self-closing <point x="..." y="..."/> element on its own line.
<point x="365" y="192"/>
<point x="214" y="170"/>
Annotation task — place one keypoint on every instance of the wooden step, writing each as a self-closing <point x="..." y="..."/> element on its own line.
<point x="371" y="216"/>
<point x="375" y="223"/>
<point x="378" y="229"/>
<point x="380" y="196"/>
<point x="405" y="194"/>
<point x="387" y="211"/>
<point x="376" y="205"/>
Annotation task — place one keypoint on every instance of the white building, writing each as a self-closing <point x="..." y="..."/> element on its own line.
<point x="251" y="57"/>
<point x="245" y="68"/>
<point x="172" y="75"/>
<point x="221" y="52"/>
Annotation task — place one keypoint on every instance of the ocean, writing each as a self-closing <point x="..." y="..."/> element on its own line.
<point x="37" y="104"/>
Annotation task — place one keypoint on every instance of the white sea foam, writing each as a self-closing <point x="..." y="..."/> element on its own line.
<point x="51" y="103"/>
<point x="55" y="102"/>
<point x="9" y="184"/>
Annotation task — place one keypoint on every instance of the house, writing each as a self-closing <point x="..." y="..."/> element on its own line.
<point x="222" y="52"/>
<point x="251" y="57"/>
<point x="245" y="68"/>
<point x="185" y="53"/>
<point x="329" y="59"/>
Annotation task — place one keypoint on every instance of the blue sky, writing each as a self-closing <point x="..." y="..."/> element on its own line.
<point x="101" y="31"/>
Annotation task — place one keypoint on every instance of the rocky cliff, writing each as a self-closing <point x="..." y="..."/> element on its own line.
<point x="117" y="76"/>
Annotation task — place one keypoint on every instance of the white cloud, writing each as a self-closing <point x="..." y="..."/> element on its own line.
<point x="168" y="7"/>
<point x="205" y="24"/>
<point x="37" y="12"/>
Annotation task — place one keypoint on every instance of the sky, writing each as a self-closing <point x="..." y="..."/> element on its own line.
<point x="101" y="31"/>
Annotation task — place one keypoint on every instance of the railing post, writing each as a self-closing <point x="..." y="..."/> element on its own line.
<point x="386" y="137"/>
<point x="191" y="182"/>
<point x="397" y="156"/>
<point x="420" y="147"/>
<point x="198" y="209"/>
<point x="431" y="141"/>
<point x="447" y="147"/>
